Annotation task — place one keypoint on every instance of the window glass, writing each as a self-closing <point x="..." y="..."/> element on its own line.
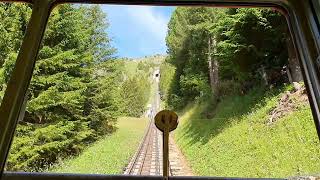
<point x="104" y="71"/>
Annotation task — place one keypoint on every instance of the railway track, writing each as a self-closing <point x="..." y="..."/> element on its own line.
<point x="148" y="158"/>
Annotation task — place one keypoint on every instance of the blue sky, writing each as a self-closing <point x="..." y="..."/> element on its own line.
<point x="138" y="31"/>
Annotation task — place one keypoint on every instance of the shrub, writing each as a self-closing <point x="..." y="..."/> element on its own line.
<point x="36" y="147"/>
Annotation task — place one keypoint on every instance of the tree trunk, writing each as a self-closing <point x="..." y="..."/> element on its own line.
<point x="210" y="66"/>
<point x="289" y="75"/>
<point x="213" y="66"/>
<point x="263" y="73"/>
<point x="294" y="67"/>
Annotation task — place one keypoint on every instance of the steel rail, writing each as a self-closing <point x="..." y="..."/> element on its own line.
<point x="138" y="152"/>
<point x="147" y="146"/>
<point x="170" y="167"/>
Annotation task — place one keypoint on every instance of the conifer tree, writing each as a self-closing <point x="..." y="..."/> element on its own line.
<point x="67" y="107"/>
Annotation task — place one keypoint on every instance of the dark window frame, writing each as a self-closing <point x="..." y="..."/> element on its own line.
<point x="303" y="21"/>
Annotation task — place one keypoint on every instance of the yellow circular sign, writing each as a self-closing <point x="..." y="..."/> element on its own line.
<point x="166" y="119"/>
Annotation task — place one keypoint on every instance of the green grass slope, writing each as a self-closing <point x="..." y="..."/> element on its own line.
<point x="130" y="67"/>
<point x="110" y="154"/>
<point x="238" y="141"/>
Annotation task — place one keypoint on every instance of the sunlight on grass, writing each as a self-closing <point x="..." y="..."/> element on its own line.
<point x="131" y="67"/>
<point x="110" y="154"/>
<point x="238" y="142"/>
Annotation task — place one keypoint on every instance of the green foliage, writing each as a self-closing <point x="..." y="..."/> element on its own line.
<point x="187" y="42"/>
<point x="146" y="67"/>
<point x="35" y="147"/>
<point x="249" y="39"/>
<point x="74" y="94"/>
<point x="111" y="153"/>
<point x="135" y="92"/>
<point x="14" y="19"/>
<point x="238" y="141"/>
<point x="246" y="41"/>
<point x="105" y="102"/>
<point x="78" y="89"/>
<point x="167" y="74"/>
<point x="224" y="135"/>
<point x="137" y="85"/>
<point x="229" y="87"/>
<point x="63" y="78"/>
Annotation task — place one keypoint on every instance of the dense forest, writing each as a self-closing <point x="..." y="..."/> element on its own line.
<point x="78" y="89"/>
<point x="234" y="78"/>
<point x="214" y="52"/>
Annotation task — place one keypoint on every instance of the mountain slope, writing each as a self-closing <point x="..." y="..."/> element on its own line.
<point x="239" y="141"/>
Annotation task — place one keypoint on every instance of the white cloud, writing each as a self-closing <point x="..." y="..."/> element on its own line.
<point x="138" y="30"/>
<point x="148" y="18"/>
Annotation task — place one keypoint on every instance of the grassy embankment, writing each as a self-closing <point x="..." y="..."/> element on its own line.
<point x="110" y="154"/>
<point x="239" y="142"/>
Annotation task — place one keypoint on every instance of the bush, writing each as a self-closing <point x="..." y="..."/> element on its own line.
<point x="229" y="87"/>
<point x="70" y="103"/>
<point x="166" y="79"/>
<point x="135" y="93"/>
<point x="37" y="147"/>
<point x="194" y="86"/>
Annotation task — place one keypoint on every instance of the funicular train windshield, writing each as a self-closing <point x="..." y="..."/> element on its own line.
<point x="302" y="17"/>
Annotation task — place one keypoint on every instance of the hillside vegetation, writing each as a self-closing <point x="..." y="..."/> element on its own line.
<point x="79" y="88"/>
<point x="239" y="141"/>
<point x="139" y="86"/>
<point x="70" y="102"/>
<point x="110" y="154"/>
<point x="227" y="73"/>
<point x="216" y="52"/>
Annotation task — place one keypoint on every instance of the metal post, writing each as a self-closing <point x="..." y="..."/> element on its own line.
<point x="20" y="79"/>
<point x="165" y="153"/>
<point x="166" y="121"/>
